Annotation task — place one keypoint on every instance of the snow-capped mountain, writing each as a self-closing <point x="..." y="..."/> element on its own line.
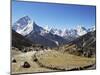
<point x="91" y="29"/>
<point x="71" y="34"/>
<point x="78" y="31"/>
<point x="23" y="26"/>
<point x="81" y="30"/>
<point x="56" y="31"/>
<point x="45" y="36"/>
<point x="37" y="34"/>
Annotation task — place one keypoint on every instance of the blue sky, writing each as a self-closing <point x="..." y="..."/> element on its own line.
<point x="55" y="15"/>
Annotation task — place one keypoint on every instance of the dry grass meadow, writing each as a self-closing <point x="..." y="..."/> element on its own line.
<point x="48" y="61"/>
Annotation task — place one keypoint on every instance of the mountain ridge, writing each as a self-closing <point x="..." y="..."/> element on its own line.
<point x="51" y="38"/>
<point x="84" y="45"/>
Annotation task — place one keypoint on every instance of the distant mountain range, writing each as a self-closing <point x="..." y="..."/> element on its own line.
<point x="52" y="37"/>
<point x="84" y="45"/>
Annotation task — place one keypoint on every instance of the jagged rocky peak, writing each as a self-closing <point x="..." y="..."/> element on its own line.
<point x="23" y="26"/>
<point x="21" y="23"/>
<point x="81" y="30"/>
<point x="56" y="31"/>
<point x="91" y="29"/>
<point x="34" y="23"/>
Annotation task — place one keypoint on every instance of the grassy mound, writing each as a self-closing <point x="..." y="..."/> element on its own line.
<point x="62" y="61"/>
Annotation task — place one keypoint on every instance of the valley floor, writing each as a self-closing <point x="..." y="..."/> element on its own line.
<point x="48" y="61"/>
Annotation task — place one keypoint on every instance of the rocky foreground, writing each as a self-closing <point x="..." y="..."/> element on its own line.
<point x="48" y="61"/>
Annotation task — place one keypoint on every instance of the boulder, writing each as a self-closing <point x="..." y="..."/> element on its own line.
<point x="26" y="65"/>
<point x="35" y="60"/>
<point x="14" y="60"/>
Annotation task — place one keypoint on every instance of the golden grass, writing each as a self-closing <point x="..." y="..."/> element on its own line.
<point x="51" y="59"/>
<point x="55" y="59"/>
